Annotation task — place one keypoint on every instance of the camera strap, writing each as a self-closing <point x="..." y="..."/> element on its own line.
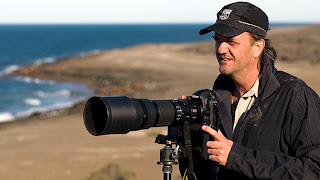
<point x="188" y="145"/>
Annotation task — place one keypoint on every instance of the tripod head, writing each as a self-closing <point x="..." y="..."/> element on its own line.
<point x="168" y="155"/>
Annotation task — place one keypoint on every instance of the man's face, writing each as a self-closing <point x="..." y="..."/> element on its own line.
<point x="235" y="54"/>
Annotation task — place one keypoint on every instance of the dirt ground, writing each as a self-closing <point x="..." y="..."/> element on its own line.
<point x="57" y="145"/>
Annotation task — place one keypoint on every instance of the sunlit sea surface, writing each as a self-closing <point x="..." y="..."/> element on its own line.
<point x="29" y="44"/>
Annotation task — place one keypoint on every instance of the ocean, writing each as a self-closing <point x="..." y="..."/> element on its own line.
<point x="22" y="45"/>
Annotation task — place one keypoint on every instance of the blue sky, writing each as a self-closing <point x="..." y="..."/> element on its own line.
<point x="146" y="11"/>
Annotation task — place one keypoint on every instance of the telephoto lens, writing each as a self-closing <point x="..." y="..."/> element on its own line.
<point x="120" y="115"/>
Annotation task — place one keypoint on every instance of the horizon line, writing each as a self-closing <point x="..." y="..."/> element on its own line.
<point x="143" y="23"/>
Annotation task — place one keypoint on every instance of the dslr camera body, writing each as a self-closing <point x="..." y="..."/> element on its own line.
<point x="120" y="114"/>
<point x="184" y="118"/>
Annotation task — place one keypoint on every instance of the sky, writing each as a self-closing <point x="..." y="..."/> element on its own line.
<point x="146" y="11"/>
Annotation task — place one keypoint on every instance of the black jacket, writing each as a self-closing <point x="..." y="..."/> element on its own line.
<point x="280" y="136"/>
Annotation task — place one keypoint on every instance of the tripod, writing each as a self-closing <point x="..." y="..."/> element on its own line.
<point x="168" y="155"/>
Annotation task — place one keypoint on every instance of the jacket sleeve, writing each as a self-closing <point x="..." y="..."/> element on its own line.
<point x="302" y="133"/>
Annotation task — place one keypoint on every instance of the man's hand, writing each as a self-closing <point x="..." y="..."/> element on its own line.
<point x="219" y="149"/>
<point x="182" y="97"/>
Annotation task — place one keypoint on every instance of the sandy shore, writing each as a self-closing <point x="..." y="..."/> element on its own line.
<point x="56" y="145"/>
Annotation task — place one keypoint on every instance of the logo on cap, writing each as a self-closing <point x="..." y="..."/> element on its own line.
<point x="225" y="14"/>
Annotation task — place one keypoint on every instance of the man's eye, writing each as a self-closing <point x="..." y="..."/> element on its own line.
<point x="232" y="42"/>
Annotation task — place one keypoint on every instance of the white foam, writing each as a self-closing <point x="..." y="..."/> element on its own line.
<point x="63" y="92"/>
<point x="46" y="60"/>
<point x="41" y="94"/>
<point x="38" y="81"/>
<point x="9" y="70"/>
<point x="27" y="79"/>
<point x="6" y="117"/>
<point x="32" y="102"/>
<point x="92" y="52"/>
<point x="48" y="108"/>
<point x="59" y="93"/>
<point x="35" y="80"/>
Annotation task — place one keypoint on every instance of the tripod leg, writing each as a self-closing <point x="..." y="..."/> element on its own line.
<point x="167" y="170"/>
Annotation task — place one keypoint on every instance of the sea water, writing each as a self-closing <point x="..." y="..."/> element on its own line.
<point x="21" y="45"/>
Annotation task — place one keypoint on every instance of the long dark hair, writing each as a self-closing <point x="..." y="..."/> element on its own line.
<point x="268" y="51"/>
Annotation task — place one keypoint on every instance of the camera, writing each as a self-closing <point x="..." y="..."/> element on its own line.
<point x="120" y="115"/>
<point x="184" y="118"/>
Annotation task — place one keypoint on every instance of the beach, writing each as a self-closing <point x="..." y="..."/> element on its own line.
<point x="56" y="145"/>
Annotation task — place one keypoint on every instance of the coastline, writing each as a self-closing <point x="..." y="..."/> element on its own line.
<point x="47" y="96"/>
<point x="110" y="64"/>
<point x="58" y="140"/>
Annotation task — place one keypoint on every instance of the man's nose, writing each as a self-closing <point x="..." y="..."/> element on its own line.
<point x="222" y="48"/>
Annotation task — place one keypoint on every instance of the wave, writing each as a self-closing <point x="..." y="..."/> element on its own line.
<point x="6" y="117"/>
<point x="91" y="52"/>
<point x="59" y="93"/>
<point x="49" y="60"/>
<point x="41" y="101"/>
<point x="13" y="67"/>
<point x="33" y="101"/>
<point x="9" y="69"/>
<point x="46" y="60"/>
<point x="34" y="80"/>
<point x="35" y="105"/>
<point x="44" y="109"/>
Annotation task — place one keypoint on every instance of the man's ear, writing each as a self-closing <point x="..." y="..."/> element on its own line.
<point x="258" y="47"/>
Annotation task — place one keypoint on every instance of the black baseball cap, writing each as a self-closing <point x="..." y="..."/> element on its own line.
<point x="236" y="18"/>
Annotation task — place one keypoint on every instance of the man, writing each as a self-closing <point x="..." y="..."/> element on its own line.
<point x="274" y="132"/>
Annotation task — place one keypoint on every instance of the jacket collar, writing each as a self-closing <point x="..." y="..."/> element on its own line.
<point x="224" y="85"/>
<point x="268" y="81"/>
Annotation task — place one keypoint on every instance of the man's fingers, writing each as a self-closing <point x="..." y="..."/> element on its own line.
<point x="213" y="144"/>
<point x="217" y="136"/>
<point x="182" y="97"/>
<point x="219" y="149"/>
